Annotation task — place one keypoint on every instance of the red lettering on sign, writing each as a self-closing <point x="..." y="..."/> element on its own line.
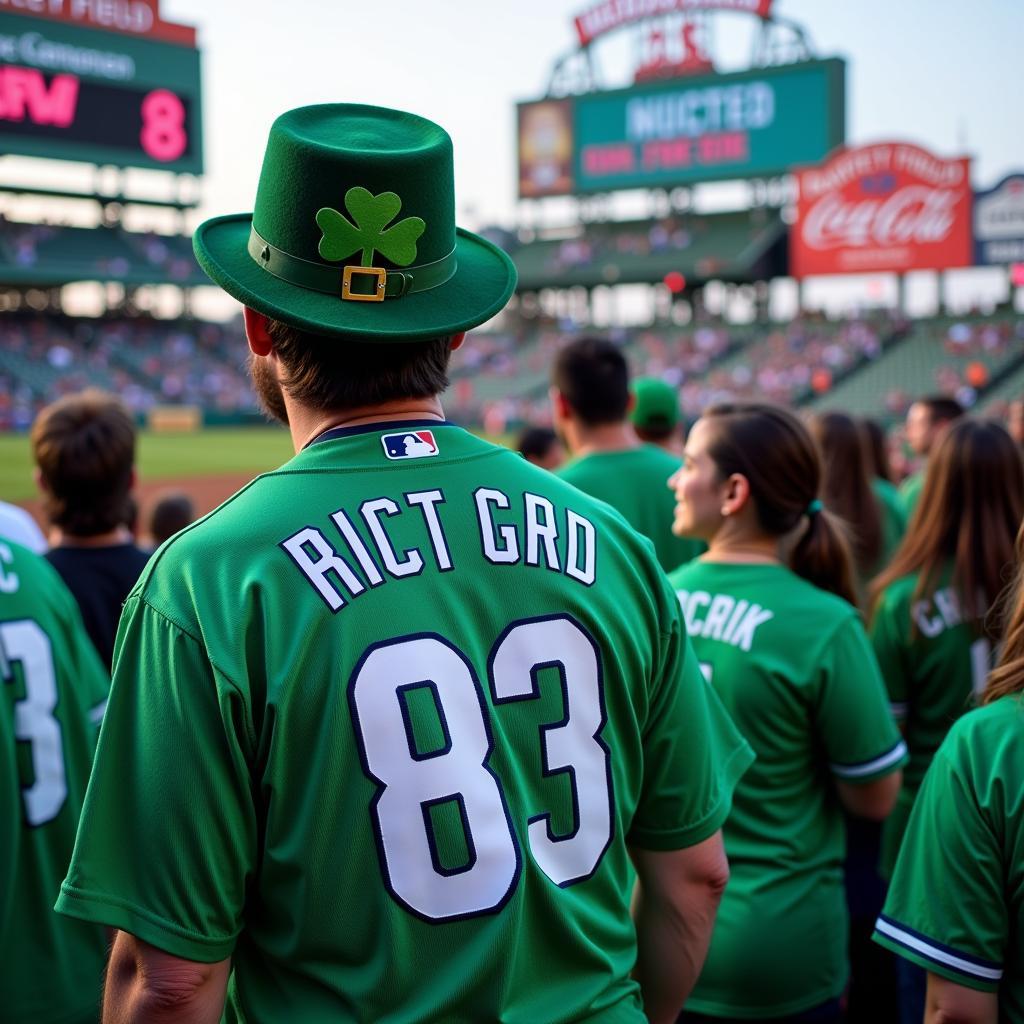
<point x="667" y="154"/>
<point x="723" y="148"/>
<point x="24" y="95"/>
<point x="615" y="159"/>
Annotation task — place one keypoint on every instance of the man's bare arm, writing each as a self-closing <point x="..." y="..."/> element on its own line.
<point x="145" y="985"/>
<point x="950" y="1003"/>
<point x="675" y="911"/>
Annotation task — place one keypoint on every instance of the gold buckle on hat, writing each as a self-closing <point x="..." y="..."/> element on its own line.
<point x="377" y="295"/>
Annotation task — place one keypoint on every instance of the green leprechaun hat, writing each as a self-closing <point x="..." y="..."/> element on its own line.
<point x="354" y="231"/>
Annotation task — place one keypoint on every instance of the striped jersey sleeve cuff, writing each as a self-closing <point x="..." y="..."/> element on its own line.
<point x="945" y="960"/>
<point x="876" y="766"/>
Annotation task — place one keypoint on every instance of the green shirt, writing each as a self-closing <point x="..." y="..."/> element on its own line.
<point x="794" y="669"/>
<point x="956" y="903"/>
<point x="51" y="699"/>
<point x="635" y="482"/>
<point x="934" y="663"/>
<point x="381" y="729"/>
<point x="910" y="492"/>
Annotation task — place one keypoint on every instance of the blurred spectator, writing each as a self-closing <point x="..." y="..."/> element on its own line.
<point x="927" y="420"/>
<point x="1015" y="420"/>
<point x="171" y="514"/>
<point x="655" y="413"/>
<point x="17" y="525"/>
<point x="541" y="446"/>
<point x="84" y="448"/>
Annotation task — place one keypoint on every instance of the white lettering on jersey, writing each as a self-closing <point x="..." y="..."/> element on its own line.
<point x="316" y="569"/>
<point x="487" y="498"/>
<point x="538" y="530"/>
<point x="427" y="500"/>
<point x="731" y="621"/>
<point x="334" y="569"/>
<point x="411" y="563"/>
<point x="9" y="581"/>
<point x="580" y="527"/>
<point x="948" y="612"/>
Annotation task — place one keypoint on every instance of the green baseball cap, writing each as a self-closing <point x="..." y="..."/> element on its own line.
<point x="655" y="404"/>
<point x="353" y="231"/>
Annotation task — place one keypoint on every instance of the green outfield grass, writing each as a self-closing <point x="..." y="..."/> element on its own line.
<point x="207" y="452"/>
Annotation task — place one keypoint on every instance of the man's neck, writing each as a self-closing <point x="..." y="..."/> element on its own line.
<point x="306" y="424"/>
<point x="606" y="437"/>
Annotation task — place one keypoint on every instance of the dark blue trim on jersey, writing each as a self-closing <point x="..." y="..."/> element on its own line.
<point x="402" y="692"/>
<point x="988" y="965"/>
<point x="382" y="427"/>
<point x="427" y="808"/>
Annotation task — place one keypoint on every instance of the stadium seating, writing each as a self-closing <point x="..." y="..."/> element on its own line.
<point x="955" y="356"/>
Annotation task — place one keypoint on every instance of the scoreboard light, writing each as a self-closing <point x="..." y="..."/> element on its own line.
<point x="674" y="281"/>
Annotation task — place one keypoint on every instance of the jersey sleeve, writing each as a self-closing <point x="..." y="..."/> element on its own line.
<point x="168" y="834"/>
<point x="946" y="909"/>
<point x="856" y="727"/>
<point x="889" y="631"/>
<point x="693" y="754"/>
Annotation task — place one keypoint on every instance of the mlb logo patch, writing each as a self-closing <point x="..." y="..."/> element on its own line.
<point x="410" y="444"/>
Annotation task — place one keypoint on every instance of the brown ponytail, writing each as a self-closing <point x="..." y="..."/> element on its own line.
<point x="775" y="452"/>
<point x="822" y="556"/>
<point x="1008" y="676"/>
<point x="847" y="484"/>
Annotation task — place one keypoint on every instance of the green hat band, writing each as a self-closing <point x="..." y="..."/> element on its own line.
<point x="355" y="283"/>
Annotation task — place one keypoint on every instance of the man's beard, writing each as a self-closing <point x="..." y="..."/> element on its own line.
<point x="267" y="388"/>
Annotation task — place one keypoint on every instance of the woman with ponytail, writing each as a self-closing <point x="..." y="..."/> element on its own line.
<point x="769" y="611"/>
<point x="956" y="904"/>
<point x="929" y="622"/>
<point x="872" y="511"/>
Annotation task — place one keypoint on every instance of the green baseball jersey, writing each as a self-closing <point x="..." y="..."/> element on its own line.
<point x="794" y="668"/>
<point x="53" y="693"/>
<point x="934" y="662"/>
<point x="956" y="903"/>
<point x="910" y="491"/>
<point x="393" y="714"/>
<point x="635" y="482"/>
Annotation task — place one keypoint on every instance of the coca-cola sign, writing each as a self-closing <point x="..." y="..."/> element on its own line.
<point x="887" y="207"/>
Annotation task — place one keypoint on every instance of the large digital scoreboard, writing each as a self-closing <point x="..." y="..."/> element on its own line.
<point x="680" y="131"/>
<point x="123" y="92"/>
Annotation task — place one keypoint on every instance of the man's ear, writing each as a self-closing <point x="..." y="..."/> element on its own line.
<point x="563" y="410"/>
<point x="457" y="340"/>
<point x="260" y="342"/>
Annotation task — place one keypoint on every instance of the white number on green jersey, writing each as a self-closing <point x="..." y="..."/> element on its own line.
<point x="24" y="642"/>
<point x="572" y="746"/>
<point x="414" y="784"/>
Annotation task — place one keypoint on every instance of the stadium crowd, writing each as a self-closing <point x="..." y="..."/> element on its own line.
<point x="693" y="713"/>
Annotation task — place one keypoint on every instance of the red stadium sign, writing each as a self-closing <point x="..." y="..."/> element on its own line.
<point x="612" y="14"/>
<point x="130" y="17"/>
<point x="887" y="207"/>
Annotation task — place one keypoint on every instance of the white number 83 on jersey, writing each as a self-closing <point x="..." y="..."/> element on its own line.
<point x="411" y="783"/>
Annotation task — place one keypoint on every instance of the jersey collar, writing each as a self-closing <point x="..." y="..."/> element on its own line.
<point x="381" y="426"/>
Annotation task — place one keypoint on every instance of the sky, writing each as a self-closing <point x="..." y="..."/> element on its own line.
<point x="939" y="72"/>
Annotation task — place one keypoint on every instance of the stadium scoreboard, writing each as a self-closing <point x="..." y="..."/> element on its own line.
<point x="75" y="89"/>
<point x="680" y="131"/>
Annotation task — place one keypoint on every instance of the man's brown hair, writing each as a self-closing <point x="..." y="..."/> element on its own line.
<point x="331" y="373"/>
<point x="84" y="446"/>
